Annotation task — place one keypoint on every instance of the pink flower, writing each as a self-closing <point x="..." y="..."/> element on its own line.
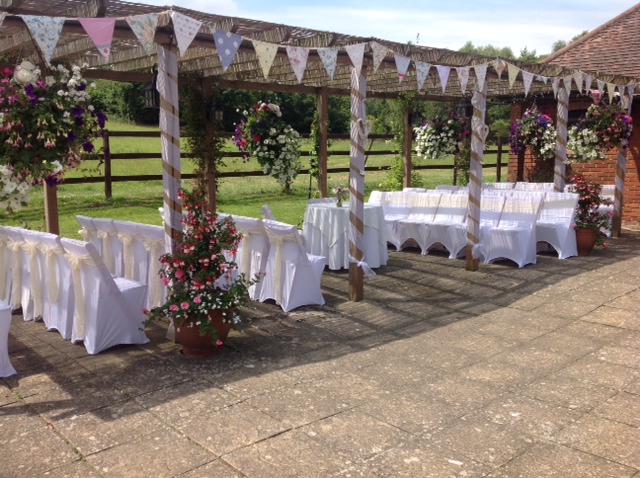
<point x="173" y="307"/>
<point x="184" y="305"/>
<point x="145" y="310"/>
<point x="165" y="280"/>
<point x="197" y="300"/>
<point x="219" y="343"/>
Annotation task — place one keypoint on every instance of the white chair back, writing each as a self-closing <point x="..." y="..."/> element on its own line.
<point x="452" y="208"/>
<point x="267" y="213"/>
<point x="135" y="256"/>
<point x="88" y="232"/>
<point x="520" y="211"/>
<point x="20" y="280"/>
<point x="490" y="209"/>
<point x="5" y="265"/>
<point x="253" y="251"/>
<point x="153" y="240"/>
<point x="112" y="249"/>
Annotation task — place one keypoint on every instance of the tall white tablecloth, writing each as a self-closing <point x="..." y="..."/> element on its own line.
<point x="326" y="233"/>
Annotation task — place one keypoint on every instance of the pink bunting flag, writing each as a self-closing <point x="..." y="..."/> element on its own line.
<point x="402" y="65"/>
<point x="144" y="28"/>
<point x="422" y="72"/>
<point x="45" y="31"/>
<point x="481" y="75"/>
<point x="266" y="53"/>
<point x="329" y="57"/>
<point x="356" y="55"/>
<point x="298" y="56"/>
<point x="463" y="77"/>
<point x="101" y="32"/>
<point x="443" y="72"/>
<point x="186" y="29"/>
<point x="379" y="53"/>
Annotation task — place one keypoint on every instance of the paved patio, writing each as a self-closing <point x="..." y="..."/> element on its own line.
<point x="439" y="372"/>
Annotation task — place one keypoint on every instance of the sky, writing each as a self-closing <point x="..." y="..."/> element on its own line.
<point x="518" y="24"/>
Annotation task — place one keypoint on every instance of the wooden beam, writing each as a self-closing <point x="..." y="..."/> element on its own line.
<point x="323" y="128"/>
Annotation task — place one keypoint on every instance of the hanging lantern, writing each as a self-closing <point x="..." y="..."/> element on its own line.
<point x="151" y="94"/>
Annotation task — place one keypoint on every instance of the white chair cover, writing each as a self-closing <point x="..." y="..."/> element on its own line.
<point x="448" y="226"/>
<point x="267" y="213"/>
<point x="395" y="206"/>
<point x="58" y="303"/>
<point x="555" y="224"/>
<point x="89" y="233"/>
<point x="20" y="280"/>
<point x="112" y="249"/>
<point x="293" y="277"/>
<point x="253" y="251"/>
<point x="6" y="273"/>
<point x="423" y="209"/>
<point x="135" y="256"/>
<point x="446" y="187"/>
<point x="154" y="243"/>
<point x="6" y="369"/>
<point x="108" y="310"/>
<point x="414" y="190"/>
<point x="514" y="237"/>
<point x="37" y="271"/>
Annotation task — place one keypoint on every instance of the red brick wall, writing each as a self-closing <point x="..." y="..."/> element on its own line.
<point x="602" y="172"/>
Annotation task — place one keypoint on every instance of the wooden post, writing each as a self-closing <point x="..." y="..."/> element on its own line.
<point x="499" y="161"/>
<point x="621" y="172"/>
<point x="51" y="219"/>
<point x="108" y="191"/>
<point x="560" y="167"/>
<point x="408" y="143"/>
<point x="211" y="168"/>
<point x="323" y="127"/>
<point x="456" y="159"/>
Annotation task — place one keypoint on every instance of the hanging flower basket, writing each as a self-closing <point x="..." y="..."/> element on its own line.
<point x="441" y="136"/>
<point x="536" y="131"/>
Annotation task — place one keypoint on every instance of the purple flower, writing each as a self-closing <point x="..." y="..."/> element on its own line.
<point x="77" y="111"/>
<point x="88" y="146"/>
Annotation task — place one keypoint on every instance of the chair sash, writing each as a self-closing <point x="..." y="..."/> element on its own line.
<point x="32" y="248"/>
<point x="155" y="249"/>
<point x="106" y="248"/>
<point x="79" y="312"/>
<point x="86" y="234"/>
<point x="50" y="254"/>
<point x="127" y="242"/>
<point x="16" y="273"/>
<point x="4" y="247"/>
<point x="247" y="235"/>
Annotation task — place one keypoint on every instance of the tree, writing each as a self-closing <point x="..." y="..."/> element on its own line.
<point x="489" y="50"/>
<point x="560" y="44"/>
<point x="529" y="56"/>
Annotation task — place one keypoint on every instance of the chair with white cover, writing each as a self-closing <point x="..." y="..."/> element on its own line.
<point x="20" y="280"/>
<point x="135" y="256"/>
<point x="6" y="272"/>
<point x="514" y="237"/>
<point x="448" y="226"/>
<point x="37" y="272"/>
<point x="88" y="232"/>
<point x="153" y="239"/>
<point x="112" y="249"/>
<point x="293" y="277"/>
<point x="555" y="224"/>
<point x="58" y="302"/>
<point x="491" y="206"/>
<point x="108" y="310"/>
<point x="267" y="213"/>
<point x="253" y="251"/>
<point x="395" y="206"/>
<point x="423" y="209"/>
<point x="6" y="369"/>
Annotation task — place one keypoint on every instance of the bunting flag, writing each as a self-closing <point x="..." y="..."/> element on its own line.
<point x="512" y="71"/>
<point x="402" y="65"/>
<point x="266" y="53"/>
<point x="527" y="79"/>
<point x="567" y="83"/>
<point x="611" y="89"/>
<point x="186" y="29"/>
<point x="144" y="28"/>
<point x="298" y="56"/>
<point x="579" y="79"/>
<point x="588" y="79"/>
<point x="481" y="73"/>
<point x="630" y="90"/>
<point x="2" y="17"/>
<point x="500" y="66"/>
<point x="422" y="71"/>
<point x="544" y="79"/>
<point x="600" y="84"/>
<point x="379" y="52"/>
<point x="45" y="31"/>
<point x="329" y="57"/>
<point x="227" y="44"/>
<point x="356" y="54"/>
<point x="555" y="83"/>
<point x="101" y="32"/>
<point x="443" y="72"/>
<point x="463" y="77"/>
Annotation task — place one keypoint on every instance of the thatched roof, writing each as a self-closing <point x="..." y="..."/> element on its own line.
<point x="127" y="55"/>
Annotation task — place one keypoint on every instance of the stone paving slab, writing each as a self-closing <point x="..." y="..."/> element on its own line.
<point x="439" y="372"/>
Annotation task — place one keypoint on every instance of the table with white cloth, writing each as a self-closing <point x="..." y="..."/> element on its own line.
<point x="326" y="233"/>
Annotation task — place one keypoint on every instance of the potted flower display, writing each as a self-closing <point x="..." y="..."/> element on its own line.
<point x="341" y="194"/>
<point x="592" y="225"/>
<point x="205" y="286"/>
<point x="263" y="134"/>
<point x="441" y="136"/>
<point x="46" y="123"/>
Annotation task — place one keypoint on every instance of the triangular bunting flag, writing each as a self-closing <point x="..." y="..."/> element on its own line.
<point x="555" y="83"/>
<point x="579" y="79"/>
<point x="266" y="53"/>
<point x="527" y="79"/>
<point x="481" y="75"/>
<point x="2" y="17"/>
<point x="379" y="52"/>
<point x="329" y="57"/>
<point x="588" y="79"/>
<point x="512" y="71"/>
<point x="45" y="31"/>
<point x="298" y="56"/>
<point x="567" y="83"/>
<point x="611" y="89"/>
<point x="443" y="72"/>
<point x="630" y="90"/>
<point x="463" y="77"/>
<point x="144" y="28"/>
<point x="101" y="32"/>
<point x="227" y="44"/>
<point x="422" y="71"/>
<point x="356" y="54"/>
<point x="544" y="79"/>
<point x="500" y="66"/>
<point x="186" y="29"/>
<point x="402" y="64"/>
<point x="600" y="84"/>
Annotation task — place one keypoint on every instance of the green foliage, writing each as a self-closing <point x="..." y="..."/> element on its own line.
<point x="488" y="50"/>
<point x="124" y="100"/>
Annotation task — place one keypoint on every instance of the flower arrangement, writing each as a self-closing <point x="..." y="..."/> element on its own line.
<point x="604" y="126"/>
<point x="201" y="273"/>
<point x="341" y="194"/>
<point x="441" y="136"/>
<point x="536" y="131"/>
<point x="45" y="125"/>
<point x="263" y="134"/>
<point x="587" y="213"/>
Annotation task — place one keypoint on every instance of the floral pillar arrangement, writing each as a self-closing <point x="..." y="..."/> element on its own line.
<point x="46" y="123"/>
<point x="263" y="134"/>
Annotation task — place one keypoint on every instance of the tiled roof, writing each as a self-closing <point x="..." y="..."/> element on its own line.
<point x="611" y="48"/>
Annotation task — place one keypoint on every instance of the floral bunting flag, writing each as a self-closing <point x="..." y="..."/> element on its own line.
<point x="544" y="79"/>
<point x="227" y="44"/>
<point x="379" y="52"/>
<point x="101" y="32"/>
<point x="588" y="79"/>
<point x="443" y="72"/>
<point x="144" y="28"/>
<point x="527" y="79"/>
<point x="402" y="65"/>
<point x="329" y="57"/>
<point x="463" y="77"/>
<point x="2" y="17"/>
<point x="356" y="54"/>
<point x="600" y="84"/>
<point x="512" y="71"/>
<point x="266" y="53"/>
<point x="481" y="75"/>
<point x="579" y="79"/>
<point x="555" y="83"/>
<point x="422" y="71"/>
<point x="45" y="31"/>
<point x="567" y="83"/>
<point x="298" y="56"/>
<point x="186" y="29"/>
<point x="611" y="89"/>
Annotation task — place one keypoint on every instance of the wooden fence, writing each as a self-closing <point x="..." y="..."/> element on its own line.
<point x="108" y="157"/>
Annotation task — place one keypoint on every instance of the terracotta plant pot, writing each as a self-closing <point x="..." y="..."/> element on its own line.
<point x="201" y="346"/>
<point x="586" y="240"/>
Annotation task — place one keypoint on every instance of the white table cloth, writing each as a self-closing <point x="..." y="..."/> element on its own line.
<point x="326" y="233"/>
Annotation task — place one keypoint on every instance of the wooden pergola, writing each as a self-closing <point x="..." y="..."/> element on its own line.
<point x="364" y="68"/>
